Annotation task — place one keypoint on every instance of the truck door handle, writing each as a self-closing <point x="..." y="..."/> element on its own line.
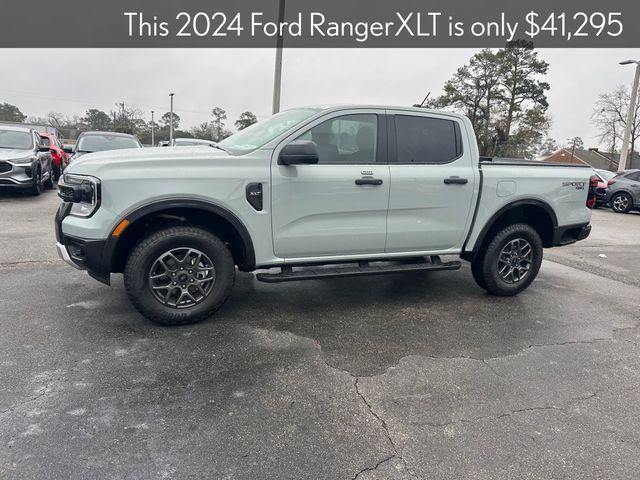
<point x="368" y="181"/>
<point x="455" y="181"/>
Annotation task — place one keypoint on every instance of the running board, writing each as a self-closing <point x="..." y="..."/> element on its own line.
<point x="287" y="273"/>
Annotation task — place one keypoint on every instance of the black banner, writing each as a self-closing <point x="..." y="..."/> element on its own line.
<point x="326" y="23"/>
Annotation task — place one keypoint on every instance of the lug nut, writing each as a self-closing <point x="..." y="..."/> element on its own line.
<point x="175" y="283"/>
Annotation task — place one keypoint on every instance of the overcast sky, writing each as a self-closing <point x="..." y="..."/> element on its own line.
<point x="72" y="81"/>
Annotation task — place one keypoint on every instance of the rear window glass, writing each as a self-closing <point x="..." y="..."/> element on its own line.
<point x="98" y="143"/>
<point x="427" y="140"/>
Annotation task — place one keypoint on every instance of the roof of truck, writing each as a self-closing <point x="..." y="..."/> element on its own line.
<point x="346" y="106"/>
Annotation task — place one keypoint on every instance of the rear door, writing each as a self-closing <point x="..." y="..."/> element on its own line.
<point x="432" y="182"/>
<point x="339" y="206"/>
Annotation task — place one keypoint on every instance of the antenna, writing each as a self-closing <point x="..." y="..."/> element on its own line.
<point x="425" y="99"/>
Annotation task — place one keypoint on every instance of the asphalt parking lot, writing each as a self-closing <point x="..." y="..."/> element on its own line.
<point x="396" y="377"/>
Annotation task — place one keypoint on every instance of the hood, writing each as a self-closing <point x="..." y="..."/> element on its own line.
<point x="95" y="163"/>
<point x="11" y="154"/>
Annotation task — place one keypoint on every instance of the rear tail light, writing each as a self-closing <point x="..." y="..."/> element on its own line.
<point x="591" y="196"/>
<point x="611" y="182"/>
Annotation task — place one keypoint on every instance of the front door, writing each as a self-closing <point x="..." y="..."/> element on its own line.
<point x="339" y="206"/>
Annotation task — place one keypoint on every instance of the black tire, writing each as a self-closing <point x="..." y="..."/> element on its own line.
<point x="36" y="187"/>
<point x="48" y="183"/>
<point x="145" y="255"/>
<point x="495" y="278"/>
<point x="57" y="172"/>
<point x="621" y="202"/>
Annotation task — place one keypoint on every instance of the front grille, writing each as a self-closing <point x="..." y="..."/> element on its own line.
<point x="5" y="167"/>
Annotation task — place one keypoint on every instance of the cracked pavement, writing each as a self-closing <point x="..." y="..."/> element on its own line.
<point x="393" y="377"/>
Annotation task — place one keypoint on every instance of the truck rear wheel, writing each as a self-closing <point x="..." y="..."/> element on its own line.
<point x="179" y="275"/>
<point x="510" y="261"/>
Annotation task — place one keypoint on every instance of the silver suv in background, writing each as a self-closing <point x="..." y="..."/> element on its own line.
<point x="623" y="192"/>
<point x="25" y="162"/>
<point x="90" y="142"/>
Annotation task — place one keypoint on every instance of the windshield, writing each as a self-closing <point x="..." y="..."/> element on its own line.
<point x="98" y="143"/>
<point x="261" y="133"/>
<point x="16" y="140"/>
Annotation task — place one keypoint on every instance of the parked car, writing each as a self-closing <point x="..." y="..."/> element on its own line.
<point x="603" y="182"/>
<point x="309" y="188"/>
<point x="623" y="191"/>
<point x="184" y="142"/>
<point x="90" y="142"/>
<point x="25" y="161"/>
<point x="59" y="158"/>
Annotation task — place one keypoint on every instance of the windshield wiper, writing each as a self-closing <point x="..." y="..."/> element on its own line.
<point x="219" y="148"/>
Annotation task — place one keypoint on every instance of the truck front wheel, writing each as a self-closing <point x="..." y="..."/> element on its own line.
<point x="179" y="275"/>
<point x="510" y="261"/>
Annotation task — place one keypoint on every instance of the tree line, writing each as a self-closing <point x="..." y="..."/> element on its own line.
<point x="128" y="119"/>
<point x="504" y="94"/>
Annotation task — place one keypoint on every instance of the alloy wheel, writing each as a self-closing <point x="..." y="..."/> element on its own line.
<point x="620" y="203"/>
<point x="515" y="260"/>
<point x="182" y="277"/>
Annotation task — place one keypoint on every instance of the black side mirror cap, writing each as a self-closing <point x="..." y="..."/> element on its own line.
<point x="44" y="148"/>
<point x="299" y="152"/>
<point x="67" y="148"/>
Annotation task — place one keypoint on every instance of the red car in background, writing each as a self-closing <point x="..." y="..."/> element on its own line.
<point x="60" y="159"/>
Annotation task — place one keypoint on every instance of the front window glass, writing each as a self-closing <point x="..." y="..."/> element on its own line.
<point x="99" y="143"/>
<point x="16" y="140"/>
<point x="261" y="133"/>
<point x="348" y="139"/>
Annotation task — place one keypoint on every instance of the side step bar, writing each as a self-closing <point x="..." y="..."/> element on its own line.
<point x="287" y="273"/>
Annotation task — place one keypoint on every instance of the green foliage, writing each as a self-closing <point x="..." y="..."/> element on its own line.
<point x="96" y="119"/>
<point x="246" y="119"/>
<point x="11" y="113"/>
<point x="575" y="142"/>
<point x="219" y="131"/>
<point x="165" y="120"/>
<point x="504" y="97"/>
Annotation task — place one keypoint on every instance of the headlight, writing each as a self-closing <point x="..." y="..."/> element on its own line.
<point x="22" y="160"/>
<point x="82" y="191"/>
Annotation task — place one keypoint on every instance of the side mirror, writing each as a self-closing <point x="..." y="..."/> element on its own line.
<point x="67" y="148"/>
<point x="299" y="152"/>
<point x="44" y="148"/>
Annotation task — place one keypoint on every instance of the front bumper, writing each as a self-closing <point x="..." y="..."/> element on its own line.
<point x="16" y="175"/>
<point x="80" y="253"/>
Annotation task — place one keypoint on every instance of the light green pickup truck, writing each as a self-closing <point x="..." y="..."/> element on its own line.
<point x="314" y="193"/>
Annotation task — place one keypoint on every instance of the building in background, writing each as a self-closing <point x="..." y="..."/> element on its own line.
<point x="593" y="157"/>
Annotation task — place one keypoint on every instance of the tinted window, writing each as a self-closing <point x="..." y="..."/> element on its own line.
<point x="44" y="141"/>
<point x="348" y="139"/>
<point x="634" y="176"/>
<point x="426" y="140"/>
<point x="98" y="143"/>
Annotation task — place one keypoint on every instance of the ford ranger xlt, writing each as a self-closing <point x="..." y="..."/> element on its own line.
<point x="314" y="193"/>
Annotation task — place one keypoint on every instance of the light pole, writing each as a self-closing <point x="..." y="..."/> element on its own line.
<point x="277" y="77"/>
<point x="626" y="140"/>
<point x="153" y="138"/>
<point x="171" y="119"/>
